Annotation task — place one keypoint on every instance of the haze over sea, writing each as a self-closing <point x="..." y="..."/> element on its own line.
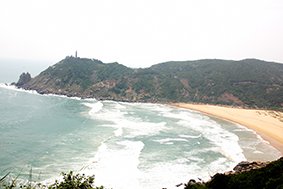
<point x="125" y="145"/>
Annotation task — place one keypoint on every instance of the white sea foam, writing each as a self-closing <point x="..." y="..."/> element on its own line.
<point x="133" y="126"/>
<point x="117" y="167"/>
<point x="242" y="128"/>
<point x="62" y="96"/>
<point x="119" y="106"/>
<point x="255" y="147"/>
<point x="218" y="166"/>
<point x="127" y="126"/>
<point x="155" y="108"/>
<point x="95" y="107"/>
<point x="158" y="108"/>
<point x="170" y="140"/>
<point x="225" y="140"/>
<point x="190" y="136"/>
<point x="13" y="87"/>
<point x="119" y="132"/>
<point x="171" y="173"/>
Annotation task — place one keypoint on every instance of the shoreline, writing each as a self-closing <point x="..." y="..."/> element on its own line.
<point x="266" y="123"/>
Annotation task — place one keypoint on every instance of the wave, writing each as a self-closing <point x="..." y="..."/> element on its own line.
<point x="173" y="173"/>
<point x="116" y="165"/>
<point x="95" y="107"/>
<point x="118" y="116"/>
<point x="15" y="88"/>
<point x="131" y="129"/>
<point x="170" y="140"/>
<point x="226" y="141"/>
<point x="241" y="128"/>
<point x="190" y="136"/>
<point x="118" y="132"/>
<point x="179" y="171"/>
<point x="254" y="146"/>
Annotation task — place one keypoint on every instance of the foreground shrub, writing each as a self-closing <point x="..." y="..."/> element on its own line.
<point x="70" y="181"/>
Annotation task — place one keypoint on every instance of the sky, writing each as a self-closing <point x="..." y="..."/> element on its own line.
<point x="140" y="33"/>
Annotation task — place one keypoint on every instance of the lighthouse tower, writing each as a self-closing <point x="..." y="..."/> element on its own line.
<point x="76" y="54"/>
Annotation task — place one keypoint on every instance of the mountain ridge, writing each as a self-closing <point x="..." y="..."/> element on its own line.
<point x="247" y="83"/>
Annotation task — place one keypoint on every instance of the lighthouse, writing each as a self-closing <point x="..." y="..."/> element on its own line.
<point x="76" y="54"/>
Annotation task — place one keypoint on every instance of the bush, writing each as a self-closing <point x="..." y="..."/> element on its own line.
<point x="70" y="181"/>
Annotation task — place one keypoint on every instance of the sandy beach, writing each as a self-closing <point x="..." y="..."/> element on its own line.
<point x="268" y="124"/>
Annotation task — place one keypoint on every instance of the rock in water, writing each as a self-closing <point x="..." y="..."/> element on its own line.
<point x="24" y="78"/>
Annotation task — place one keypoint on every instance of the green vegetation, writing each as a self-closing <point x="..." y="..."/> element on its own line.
<point x="70" y="181"/>
<point x="269" y="177"/>
<point x="249" y="83"/>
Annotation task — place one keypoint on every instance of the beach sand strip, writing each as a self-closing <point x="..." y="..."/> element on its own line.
<point x="266" y="123"/>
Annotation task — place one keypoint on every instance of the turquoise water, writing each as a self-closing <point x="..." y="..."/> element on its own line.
<point x="126" y="145"/>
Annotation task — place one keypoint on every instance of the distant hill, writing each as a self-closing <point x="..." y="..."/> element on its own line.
<point x="249" y="82"/>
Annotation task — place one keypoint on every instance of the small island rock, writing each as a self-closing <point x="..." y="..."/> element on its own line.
<point x="24" y="78"/>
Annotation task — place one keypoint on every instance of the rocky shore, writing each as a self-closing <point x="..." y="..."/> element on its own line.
<point x="252" y="175"/>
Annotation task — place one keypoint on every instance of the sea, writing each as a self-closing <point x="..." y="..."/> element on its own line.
<point x="125" y="145"/>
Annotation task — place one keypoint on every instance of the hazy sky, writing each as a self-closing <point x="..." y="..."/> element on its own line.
<point x="140" y="33"/>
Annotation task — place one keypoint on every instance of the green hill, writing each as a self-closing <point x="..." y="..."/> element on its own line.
<point x="249" y="82"/>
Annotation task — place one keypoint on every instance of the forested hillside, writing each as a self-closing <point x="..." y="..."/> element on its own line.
<point x="249" y="82"/>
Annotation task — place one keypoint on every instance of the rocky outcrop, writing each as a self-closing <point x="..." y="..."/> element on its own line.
<point x="245" y="166"/>
<point x="248" y="166"/>
<point x="252" y="175"/>
<point x="24" y="78"/>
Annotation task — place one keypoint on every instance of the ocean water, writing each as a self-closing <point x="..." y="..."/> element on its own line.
<point x="125" y="145"/>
